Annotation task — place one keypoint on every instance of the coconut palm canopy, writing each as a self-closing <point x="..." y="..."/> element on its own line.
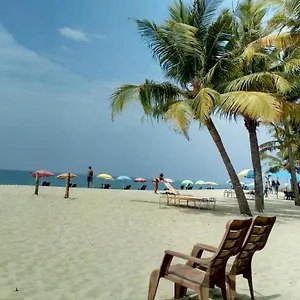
<point x="105" y="176"/>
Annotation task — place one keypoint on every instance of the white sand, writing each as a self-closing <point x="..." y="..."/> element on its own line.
<point x="103" y="244"/>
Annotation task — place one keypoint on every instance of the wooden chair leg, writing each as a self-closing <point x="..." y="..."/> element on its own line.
<point x="231" y="284"/>
<point x="203" y="293"/>
<point x="153" y="284"/>
<point x="179" y="291"/>
<point x="250" y="283"/>
<point x="223" y="290"/>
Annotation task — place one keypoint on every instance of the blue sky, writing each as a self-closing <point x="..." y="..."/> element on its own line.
<point x="59" y="62"/>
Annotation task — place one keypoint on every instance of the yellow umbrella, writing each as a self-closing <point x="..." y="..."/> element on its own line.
<point x="65" y="175"/>
<point x="105" y="176"/>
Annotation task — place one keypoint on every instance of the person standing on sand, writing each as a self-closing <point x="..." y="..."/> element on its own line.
<point x="156" y="180"/>
<point x="90" y="175"/>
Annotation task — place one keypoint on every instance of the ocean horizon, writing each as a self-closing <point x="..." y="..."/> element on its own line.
<point x="21" y="177"/>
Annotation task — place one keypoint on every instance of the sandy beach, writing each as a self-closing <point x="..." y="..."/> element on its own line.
<point x="103" y="244"/>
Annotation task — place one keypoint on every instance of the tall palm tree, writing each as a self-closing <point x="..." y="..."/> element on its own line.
<point x="254" y="73"/>
<point x="187" y="46"/>
<point x="287" y="18"/>
<point x="285" y="144"/>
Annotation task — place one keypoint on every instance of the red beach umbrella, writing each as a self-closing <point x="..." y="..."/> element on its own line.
<point x="142" y="180"/>
<point x="42" y="173"/>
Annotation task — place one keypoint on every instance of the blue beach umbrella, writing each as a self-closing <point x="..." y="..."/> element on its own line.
<point x="248" y="173"/>
<point x="123" y="178"/>
<point x="284" y="174"/>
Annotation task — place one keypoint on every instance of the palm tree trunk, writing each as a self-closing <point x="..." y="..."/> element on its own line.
<point x="294" y="183"/>
<point x="242" y="201"/>
<point x="251" y="126"/>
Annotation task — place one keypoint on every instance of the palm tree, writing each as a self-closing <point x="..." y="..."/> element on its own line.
<point x="254" y="73"/>
<point x="188" y="47"/>
<point x="286" y="145"/>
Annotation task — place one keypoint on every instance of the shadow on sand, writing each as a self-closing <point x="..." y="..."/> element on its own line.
<point x="215" y="294"/>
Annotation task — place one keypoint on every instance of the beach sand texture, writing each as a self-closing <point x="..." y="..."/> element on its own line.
<point x="103" y="244"/>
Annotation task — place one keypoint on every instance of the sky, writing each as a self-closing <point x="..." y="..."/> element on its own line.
<point x="59" y="62"/>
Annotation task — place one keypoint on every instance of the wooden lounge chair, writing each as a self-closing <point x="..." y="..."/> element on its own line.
<point x="255" y="240"/>
<point x="191" y="276"/>
<point x="173" y="195"/>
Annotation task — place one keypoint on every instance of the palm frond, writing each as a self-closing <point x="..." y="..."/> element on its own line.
<point x="122" y="96"/>
<point x="180" y="115"/>
<point x="181" y="13"/>
<point x="279" y="41"/>
<point x="154" y="97"/>
<point x="255" y="105"/>
<point x="204" y="103"/>
<point x="175" y="47"/>
<point x="291" y="111"/>
<point x="263" y="81"/>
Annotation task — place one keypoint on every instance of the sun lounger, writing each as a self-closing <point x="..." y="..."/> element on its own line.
<point x="143" y="187"/>
<point x="190" y="275"/>
<point x="172" y="195"/>
<point x="255" y="240"/>
<point x="127" y="187"/>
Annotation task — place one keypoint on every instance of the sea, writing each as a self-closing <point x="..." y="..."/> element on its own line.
<point x="17" y="177"/>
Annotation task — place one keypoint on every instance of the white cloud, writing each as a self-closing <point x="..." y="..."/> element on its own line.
<point x="73" y="34"/>
<point x="67" y="49"/>
<point x="99" y="36"/>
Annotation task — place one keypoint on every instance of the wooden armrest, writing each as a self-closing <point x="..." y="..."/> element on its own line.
<point x="206" y="247"/>
<point x="199" y="261"/>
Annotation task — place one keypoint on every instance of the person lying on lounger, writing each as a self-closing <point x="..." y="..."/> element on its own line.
<point x="156" y="180"/>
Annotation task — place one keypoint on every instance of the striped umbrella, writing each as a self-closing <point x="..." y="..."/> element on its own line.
<point x="140" y="179"/>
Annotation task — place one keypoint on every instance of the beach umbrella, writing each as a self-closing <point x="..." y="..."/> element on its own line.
<point x="284" y="174"/>
<point x="187" y="182"/>
<point x="169" y="180"/>
<point x="200" y="182"/>
<point x="65" y="176"/>
<point x="38" y="174"/>
<point x="247" y="173"/>
<point x="105" y="176"/>
<point x="211" y="183"/>
<point x="42" y="173"/>
<point x="140" y="179"/>
<point x="123" y="178"/>
<point x="241" y="182"/>
<point x="68" y="177"/>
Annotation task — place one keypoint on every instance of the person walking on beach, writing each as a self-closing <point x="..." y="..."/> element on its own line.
<point x="266" y="189"/>
<point x="90" y="175"/>
<point x="156" y="180"/>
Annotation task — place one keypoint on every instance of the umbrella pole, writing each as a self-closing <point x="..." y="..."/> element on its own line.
<point x="67" y="186"/>
<point x="37" y="183"/>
